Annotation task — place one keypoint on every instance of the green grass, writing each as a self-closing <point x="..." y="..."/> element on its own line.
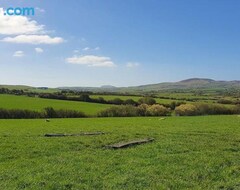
<point x="29" y="88"/>
<point x="23" y="102"/>
<point x="188" y="153"/>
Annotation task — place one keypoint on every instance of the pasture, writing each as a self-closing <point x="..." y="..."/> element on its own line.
<point x="38" y="104"/>
<point x="188" y="153"/>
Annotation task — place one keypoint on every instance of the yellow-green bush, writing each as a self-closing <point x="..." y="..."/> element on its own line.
<point x="186" y="109"/>
<point x="157" y="110"/>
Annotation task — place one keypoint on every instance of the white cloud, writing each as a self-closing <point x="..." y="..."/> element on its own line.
<point x="91" y="49"/>
<point x="132" y="64"/>
<point x="86" y="49"/>
<point x="15" y="25"/>
<point x="76" y="51"/>
<point x="40" y="10"/>
<point x="25" y="30"/>
<point x="33" y="39"/>
<point x="18" y="54"/>
<point x="91" y="61"/>
<point x="39" y="50"/>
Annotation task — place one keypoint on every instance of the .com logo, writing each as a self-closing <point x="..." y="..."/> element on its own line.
<point x="18" y="11"/>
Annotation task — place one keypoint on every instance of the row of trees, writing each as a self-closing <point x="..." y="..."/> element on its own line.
<point x="228" y="101"/>
<point x="17" y="92"/>
<point x="8" y="91"/>
<point x="115" y="101"/>
<point x="206" y="109"/>
<point x="124" y="111"/>
<point x="87" y="98"/>
<point x="159" y="110"/>
<point x="133" y="111"/>
<point x="46" y="113"/>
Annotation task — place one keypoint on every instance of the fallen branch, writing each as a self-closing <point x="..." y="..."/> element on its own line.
<point x="130" y="143"/>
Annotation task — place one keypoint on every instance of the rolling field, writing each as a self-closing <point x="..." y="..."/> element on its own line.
<point x="188" y="153"/>
<point x="30" y="89"/>
<point x="38" y="104"/>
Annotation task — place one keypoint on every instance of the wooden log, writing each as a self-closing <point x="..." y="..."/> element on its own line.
<point x="55" y="135"/>
<point x="130" y="143"/>
<point x="70" y="135"/>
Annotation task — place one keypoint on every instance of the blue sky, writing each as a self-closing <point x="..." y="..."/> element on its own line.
<point x="121" y="43"/>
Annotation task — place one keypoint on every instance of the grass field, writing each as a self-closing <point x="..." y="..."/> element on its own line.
<point x="23" y="102"/>
<point x="188" y="153"/>
<point x="30" y="89"/>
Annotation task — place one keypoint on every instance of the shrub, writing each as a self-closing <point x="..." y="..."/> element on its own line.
<point x="225" y="101"/>
<point x="52" y="96"/>
<point x="205" y="109"/>
<point x="213" y="109"/>
<point x="173" y="105"/>
<point x="84" y="98"/>
<point x="69" y="114"/>
<point x="131" y="111"/>
<point x="47" y="113"/>
<point x="142" y="109"/>
<point x="130" y="102"/>
<point x="100" y="100"/>
<point x="119" y="111"/>
<point x="19" y="114"/>
<point x="50" y="112"/>
<point x="186" y="110"/>
<point x="157" y="110"/>
<point x="237" y="109"/>
<point x="116" y="101"/>
<point x="147" y="100"/>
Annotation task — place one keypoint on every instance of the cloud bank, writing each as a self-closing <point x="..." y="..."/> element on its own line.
<point x="21" y="29"/>
<point x="91" y="61"/>
<point x="33" y="39"/>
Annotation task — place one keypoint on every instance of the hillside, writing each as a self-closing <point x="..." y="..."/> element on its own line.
<point x="188" y="84"/>
<point x="30" y="88"/>
<point x="38" y="104"/>
<point x="194" y="83"/>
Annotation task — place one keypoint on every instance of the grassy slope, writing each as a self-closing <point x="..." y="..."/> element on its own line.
<point x="188" y="153"/>
<point x="29" y="88"/>
<point x="206" y="85"/>
<point x="23" y="102"/>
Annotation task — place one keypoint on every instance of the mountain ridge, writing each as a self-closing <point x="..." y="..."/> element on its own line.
<point x="187" y="84"/>
<point x="191" y="83"/>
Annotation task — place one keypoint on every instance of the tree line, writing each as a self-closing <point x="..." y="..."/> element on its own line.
<point x="48" y="112"/>
<point x="125" y="111"/>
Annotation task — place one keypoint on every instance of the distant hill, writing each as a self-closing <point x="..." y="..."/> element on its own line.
<point x="188" y="84"/>
<point x="197" y="80"/>
<point x="184" y="85"/>
<point x="17" y="87"/>
<point x="30" y="88"/>
<point x="108" y="86"/>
